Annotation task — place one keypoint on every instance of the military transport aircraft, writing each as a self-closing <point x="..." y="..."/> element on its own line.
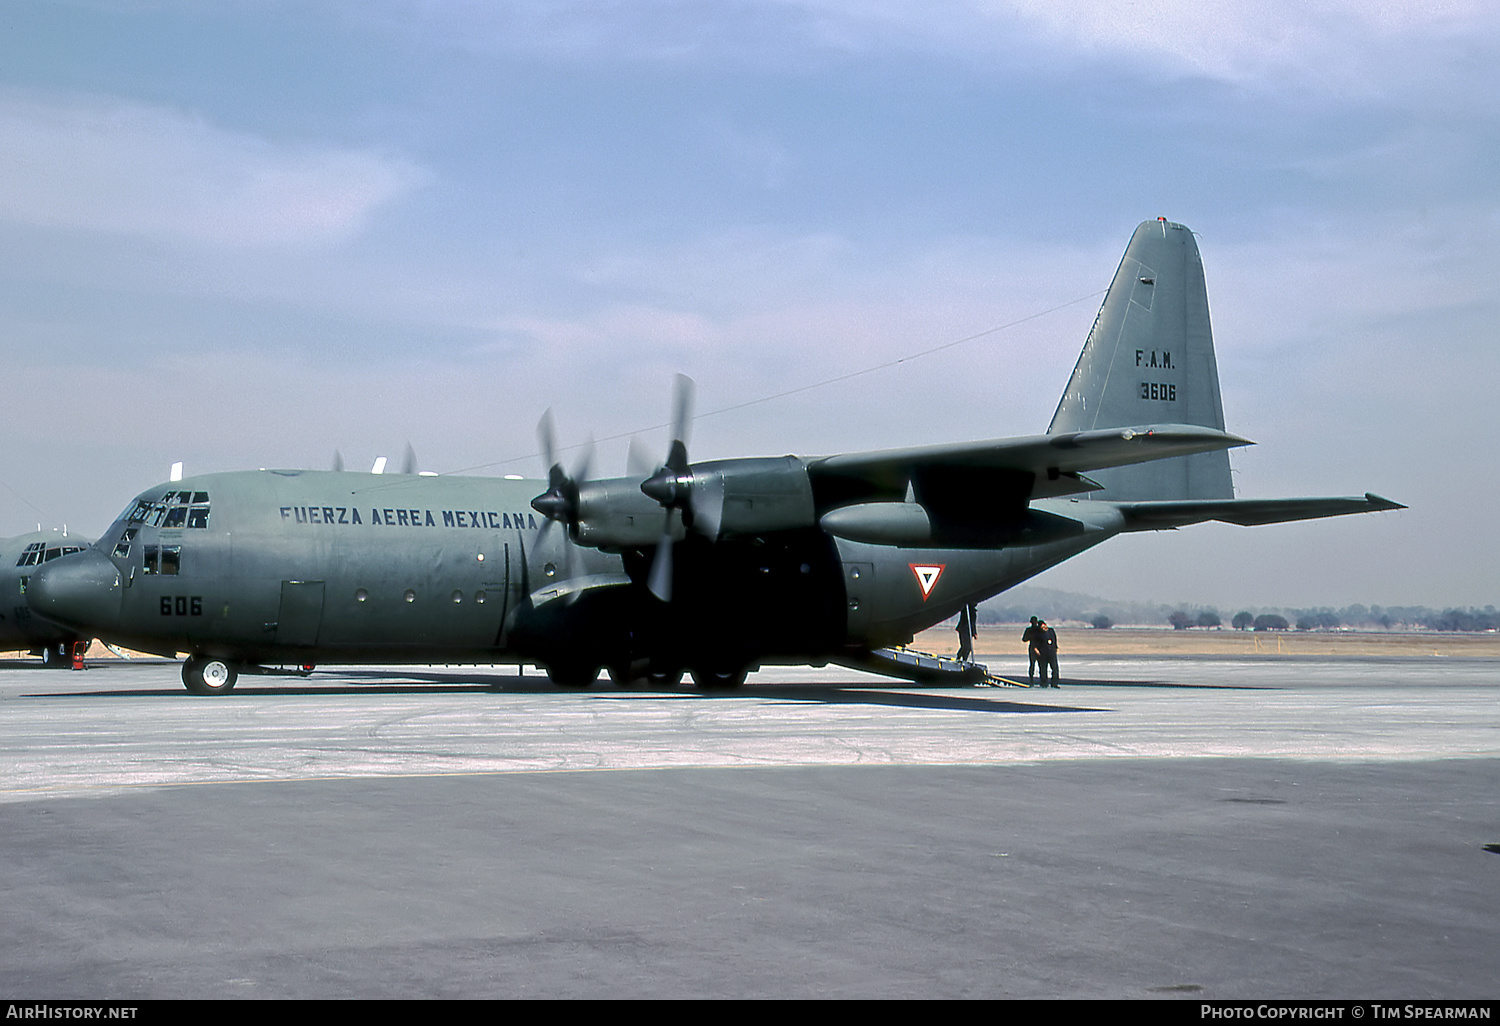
<point x="713" y="568"/>
<point x="19" y="629"/>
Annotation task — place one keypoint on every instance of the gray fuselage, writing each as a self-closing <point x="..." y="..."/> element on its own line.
<point x="289" y="567"/>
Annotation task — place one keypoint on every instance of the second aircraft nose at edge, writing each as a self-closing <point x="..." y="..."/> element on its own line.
<point x="80" y="591"/>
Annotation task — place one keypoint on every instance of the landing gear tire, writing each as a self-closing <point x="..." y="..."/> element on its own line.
<point x="205" y="675"/>
<point x="625" y="677"/>
<point x="664" y="678"/>
<point x="54" y="657"/>
<point x="572" y="675"/>
<point x="719" y="680"/>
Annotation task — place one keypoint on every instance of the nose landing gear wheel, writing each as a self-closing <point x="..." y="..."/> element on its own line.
<point x="719" y="680"/>
<point x="205" y="675"/>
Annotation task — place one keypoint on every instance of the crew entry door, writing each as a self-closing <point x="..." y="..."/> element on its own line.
<point x="301" y="613"/>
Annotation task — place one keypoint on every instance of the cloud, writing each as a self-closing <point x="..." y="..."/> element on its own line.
<point x="1354" y="44"/>
<point x="1241" y="40"/>
<point x="106" y="165"/>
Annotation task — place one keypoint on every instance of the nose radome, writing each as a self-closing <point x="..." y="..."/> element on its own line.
<point x="81" y="591"/>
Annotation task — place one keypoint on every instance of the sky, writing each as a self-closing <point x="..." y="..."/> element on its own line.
<point x="252" y="233"/>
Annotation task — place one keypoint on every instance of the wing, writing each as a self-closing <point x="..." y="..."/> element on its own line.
<point x="1010" y="470"/>
<point x="1168" y="514"/>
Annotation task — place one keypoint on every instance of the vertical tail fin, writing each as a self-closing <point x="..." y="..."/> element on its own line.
<point x="1149" y="359"/>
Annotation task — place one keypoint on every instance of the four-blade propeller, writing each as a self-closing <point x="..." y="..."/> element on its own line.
<point x="697" y="499"/>
<point x="672" y="486"/>
<point x="559" y="503"/>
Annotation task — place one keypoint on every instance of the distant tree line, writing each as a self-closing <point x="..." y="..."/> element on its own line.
<point x="1060" y="606"/>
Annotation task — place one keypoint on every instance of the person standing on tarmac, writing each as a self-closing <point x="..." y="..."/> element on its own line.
<point x="968" y="630"/>
<point x="1047" y="651"/>
<point x="1031" y="637"/>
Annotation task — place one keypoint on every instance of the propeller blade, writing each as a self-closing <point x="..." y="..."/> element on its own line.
<point x="637" y="463"/>
<point x="338" y="460"/>
<point x="409" y="460"/>
<point x="707" y="501"/>
<point x="545" y="437"/>
<point x="559" y="503"/>
<point x="581" y="464"/>
<point x="671" y="486"/>
<point x="541" y="532"/>
<point x="659" y="582"/>
<point x="682" y="388"/>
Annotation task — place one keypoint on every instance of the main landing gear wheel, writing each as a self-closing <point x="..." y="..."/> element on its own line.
<point x="205" y="675"/>
<point x="572" y="675"/>
<point x="719" y="680"/>
<point x="628" y="676"/>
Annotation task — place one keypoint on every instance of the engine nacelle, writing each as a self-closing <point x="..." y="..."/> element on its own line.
<point x="614" y="514"/>
<point x="912" y="525"/>
<point x="725" y="499"/>
<point x="752" y="496"/>
<point x="880" y="523"/>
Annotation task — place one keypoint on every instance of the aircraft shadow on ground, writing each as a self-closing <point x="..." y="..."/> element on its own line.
<point x="384" y="682"/>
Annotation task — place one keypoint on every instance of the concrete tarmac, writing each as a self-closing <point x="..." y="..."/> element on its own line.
<point x="1191" y="828"/>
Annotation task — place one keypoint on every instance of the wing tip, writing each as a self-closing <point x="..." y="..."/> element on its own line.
<point x="1380" y="504"/>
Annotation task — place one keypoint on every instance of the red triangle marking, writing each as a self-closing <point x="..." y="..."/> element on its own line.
<point x="927" y="576"/>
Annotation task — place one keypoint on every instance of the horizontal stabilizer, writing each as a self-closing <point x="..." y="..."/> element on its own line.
<point x="1168" y="514"/>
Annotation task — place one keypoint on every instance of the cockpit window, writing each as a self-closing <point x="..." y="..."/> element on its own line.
<point x="122" y="547"/>
<point x="174" y="509"/>
<point x="41" y="552"/>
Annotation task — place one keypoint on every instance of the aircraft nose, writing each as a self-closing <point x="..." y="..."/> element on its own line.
<point x="81" y="591"/>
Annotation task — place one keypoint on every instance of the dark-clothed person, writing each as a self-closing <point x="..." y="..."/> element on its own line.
<point x="1031" y="636"/>
<point x="968" y="630"/>
<point x="1045" y="643"/>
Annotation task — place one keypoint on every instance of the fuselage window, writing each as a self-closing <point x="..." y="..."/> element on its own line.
<point x="163" y="559"/>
